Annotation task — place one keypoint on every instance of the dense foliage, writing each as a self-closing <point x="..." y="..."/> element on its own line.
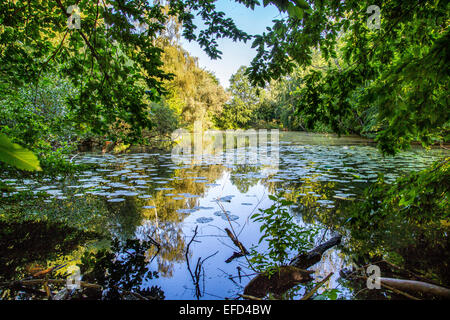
<point x="397" y="74"/>
<point x="420" y="197"/>
<point x="113" y="72"/>
<point x="282" y="234"/>
<point x="324" y="69"/>
<point x="194" y="93"/>
<point x="62" y="85"/>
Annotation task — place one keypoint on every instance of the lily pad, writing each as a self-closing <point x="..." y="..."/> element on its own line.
<point x="204" y="220"/>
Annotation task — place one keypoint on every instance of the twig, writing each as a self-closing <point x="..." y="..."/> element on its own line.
<point x="135" y="294"/>
<point x="321" y="283"/>
<point x="363" y="289"/>
<point x="42" y="281"/>
<point x="195" y="275"/>
<point x="210" y="256"/>
<point x="246" y="275"/>
<point x="253" y="210"/>
<point x="246" y="296"/>
<point x="399" y="291"/>
<point x="393" y="289"/>
<point x="236" y="242"/>
<point x="187" y="249"/>
<point x="241" y="247"/>
<point x="73" y="157"/>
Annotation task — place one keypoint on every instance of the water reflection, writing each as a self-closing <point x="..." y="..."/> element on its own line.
<point x="143" y="195"/>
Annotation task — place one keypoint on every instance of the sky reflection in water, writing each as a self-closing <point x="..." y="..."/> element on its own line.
<point x="141" y="193"/>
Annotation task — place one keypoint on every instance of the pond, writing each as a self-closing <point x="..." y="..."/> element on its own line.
<point x="145" y="206"/>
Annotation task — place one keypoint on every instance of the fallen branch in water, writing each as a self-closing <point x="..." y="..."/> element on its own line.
<point x="400" y="285"/>
<point x="289" y="276"/>
<point x="236" y="241"/>
<point x="234" y="256"/>
<point x="416" y="286"/>
<point x="393" y="289"/>
<point x="245" y="296"/>
<point x="42" y="281"/>
<point x="321" y="283"/>
<point x="282" y="280"/>
<point x="238" y="244"/>
<point x="306" y="260"/>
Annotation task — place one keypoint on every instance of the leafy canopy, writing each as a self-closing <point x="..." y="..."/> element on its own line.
<point x="115" y="64"/>
<point x="112" y="59"/>
<point x="403" y="67"/>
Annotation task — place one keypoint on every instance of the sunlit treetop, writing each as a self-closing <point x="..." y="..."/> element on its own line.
<point x="107" y="48"/>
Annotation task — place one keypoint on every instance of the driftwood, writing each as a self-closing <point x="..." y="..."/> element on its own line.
<point x="403" y="286"/>
<point x="397" y="291"/>
<point x="416" y="286"/>
<point x="291" y="275"/>
<point x="278" y="283"/>
<point x="42" y="281"/>
<point x="243" y="251"/>
<point x="234" y="256"/>
<point x="305" y="260"/>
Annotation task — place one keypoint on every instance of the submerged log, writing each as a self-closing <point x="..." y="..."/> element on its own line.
<point x="306" y="260"/>
<point x="416" y="286"/>
<point x="291" y="275"/>
<point x="278" y="283"/>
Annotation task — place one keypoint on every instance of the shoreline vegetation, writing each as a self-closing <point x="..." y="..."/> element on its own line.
<point x="122" y="80"/>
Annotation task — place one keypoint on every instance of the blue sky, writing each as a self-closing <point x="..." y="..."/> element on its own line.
<point x="235" y="54"/>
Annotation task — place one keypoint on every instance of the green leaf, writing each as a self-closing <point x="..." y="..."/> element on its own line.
<point x="295" y="11"/>
<point x="17" y="156"/>
<point x="302" y="4"/>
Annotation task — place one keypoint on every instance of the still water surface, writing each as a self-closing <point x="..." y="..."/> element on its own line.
<point x="153" y="195"/>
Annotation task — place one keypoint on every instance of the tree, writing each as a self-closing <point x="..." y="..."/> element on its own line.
<point x="112" y="59"/>
<point x="403" y="67"/>
<point x="193" y="93"/>
<point x="246" y="98"/>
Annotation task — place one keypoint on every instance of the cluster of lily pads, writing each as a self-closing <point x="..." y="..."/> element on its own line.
<point x="140" y="174"/>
